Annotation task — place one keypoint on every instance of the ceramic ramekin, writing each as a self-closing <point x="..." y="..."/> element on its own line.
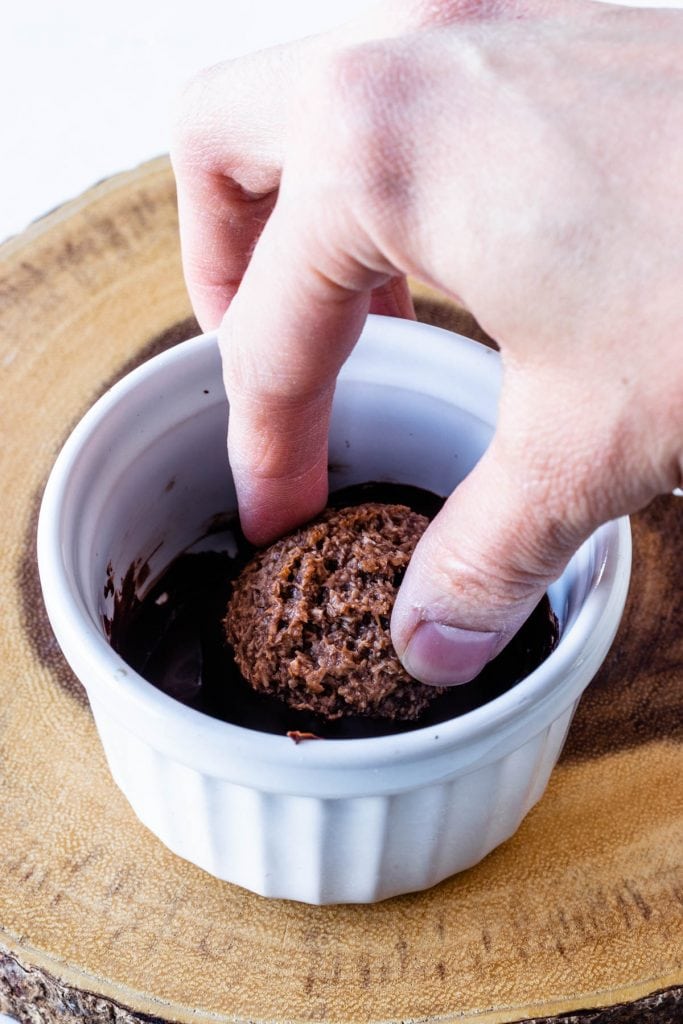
<point x="323" y="822"/>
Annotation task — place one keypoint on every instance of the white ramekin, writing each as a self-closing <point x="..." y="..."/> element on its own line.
<point x="337" y="821"/>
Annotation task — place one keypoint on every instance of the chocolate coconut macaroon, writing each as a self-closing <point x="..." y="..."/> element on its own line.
<point x="308" y="618"/>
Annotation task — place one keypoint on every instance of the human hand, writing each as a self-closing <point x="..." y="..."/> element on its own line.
<point x="525" y="157"/>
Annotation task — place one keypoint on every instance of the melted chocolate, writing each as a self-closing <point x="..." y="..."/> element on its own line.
<point x="174" y="637"/>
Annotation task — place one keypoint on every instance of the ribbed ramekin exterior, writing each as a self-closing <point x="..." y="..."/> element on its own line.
<point x="320" y="850"/>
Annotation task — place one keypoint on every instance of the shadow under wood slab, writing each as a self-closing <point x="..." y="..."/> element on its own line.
<point x="581" y="909"/>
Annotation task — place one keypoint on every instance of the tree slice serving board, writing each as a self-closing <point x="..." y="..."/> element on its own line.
<point x="581" y="909"/>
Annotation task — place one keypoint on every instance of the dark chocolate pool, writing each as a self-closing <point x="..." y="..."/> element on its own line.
<point x="174" y="637"/>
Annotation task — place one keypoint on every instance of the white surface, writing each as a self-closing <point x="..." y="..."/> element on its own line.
<point x="86" y="88"/>
<point x="416" y="405"/>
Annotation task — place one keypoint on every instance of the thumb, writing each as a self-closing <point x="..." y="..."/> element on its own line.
<point x="480" y="569"/>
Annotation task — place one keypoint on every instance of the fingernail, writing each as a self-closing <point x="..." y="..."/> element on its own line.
<point x="444" y="655"/>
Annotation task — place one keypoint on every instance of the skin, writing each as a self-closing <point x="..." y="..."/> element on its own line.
<point x="525" y="158"/>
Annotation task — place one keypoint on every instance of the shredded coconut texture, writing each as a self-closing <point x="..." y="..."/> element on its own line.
<point x="308" y="618"/>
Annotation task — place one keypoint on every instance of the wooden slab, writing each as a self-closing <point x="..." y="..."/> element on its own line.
<point x="583" y="908"/>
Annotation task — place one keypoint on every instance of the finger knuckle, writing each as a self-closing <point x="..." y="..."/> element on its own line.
<point x="354" y="100"/>
<point x="287" y="386"/>
<point x="188" y="118"/>
<point x="489" y="581"/>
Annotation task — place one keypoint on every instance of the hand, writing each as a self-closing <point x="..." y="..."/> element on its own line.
<point x="525" y="157"/>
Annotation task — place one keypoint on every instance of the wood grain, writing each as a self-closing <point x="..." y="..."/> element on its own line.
<point x="581" y="909"/>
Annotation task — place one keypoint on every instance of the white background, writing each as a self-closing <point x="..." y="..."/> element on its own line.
<point x="86" y="87"/>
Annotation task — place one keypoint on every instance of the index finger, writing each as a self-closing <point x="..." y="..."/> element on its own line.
<point x="294" y="321"/>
